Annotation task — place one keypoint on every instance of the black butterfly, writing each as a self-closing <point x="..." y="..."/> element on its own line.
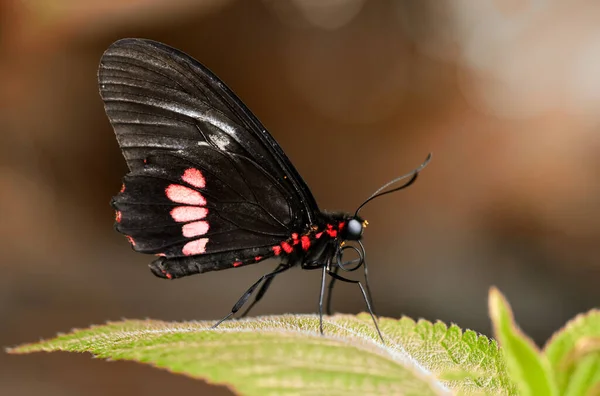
<point x="209" y="187"/>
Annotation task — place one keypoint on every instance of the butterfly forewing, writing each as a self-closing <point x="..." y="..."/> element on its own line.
<point x="209" y="188"/>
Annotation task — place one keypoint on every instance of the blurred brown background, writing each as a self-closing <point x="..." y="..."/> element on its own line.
<point x="505" y="93"/>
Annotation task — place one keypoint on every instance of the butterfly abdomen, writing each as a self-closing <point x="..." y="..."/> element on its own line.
<point x="295" y="249"/>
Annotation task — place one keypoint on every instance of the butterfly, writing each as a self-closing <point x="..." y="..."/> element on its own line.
<point x="209" y="188"/>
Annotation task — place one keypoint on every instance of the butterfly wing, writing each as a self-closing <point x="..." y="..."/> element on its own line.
<point x="209" y="188"/>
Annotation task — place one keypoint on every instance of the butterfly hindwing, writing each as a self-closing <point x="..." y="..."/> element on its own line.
<point x="175" y="199"/>
<point x="209" y="188"/>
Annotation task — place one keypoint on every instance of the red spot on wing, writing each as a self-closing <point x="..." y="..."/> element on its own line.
<point x="184" y="195"/>
<point x="130" y="239"/>
<point x="169" y="275"/>
<point x="194" y="229"/>
<point x="257" y="258"/>
<point x="118" y="216"/>
<point x="183" y="214"/>
<point x="318" y="235"/>
<point x="332" y="233"/>
<point x="287" y="247"/>
<point x="194" y="177"/>
<point x="195" y="247"/>
<point x="341" y="225"/>
<point x="276" y="250"/>
<point x="305" y="242"/>
<point x="237" y="263"/>
<point x="295" y="238"/>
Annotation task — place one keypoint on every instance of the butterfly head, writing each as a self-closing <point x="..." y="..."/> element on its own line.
<point x="354" y="228"/>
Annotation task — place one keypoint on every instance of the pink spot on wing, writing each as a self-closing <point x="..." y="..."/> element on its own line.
<point x="160" y="255"/>
<point x="130" y="239"/>
<point x="318" y="235"/>
<point x="184" y="214"/>
<point x="195" y="247"/>
<point x="332" y="233"/>
<point x="194" y="177"/>
<point x="184" y="195"/>
<point x="169" y="275"/>
<point x="122" y="188"/>
<point x="118" y="216"/>
<point x="237" y="263"/>
<point x="257" y="258"/>
<point x="276" y="250"/>
<point x="196" y="228"/>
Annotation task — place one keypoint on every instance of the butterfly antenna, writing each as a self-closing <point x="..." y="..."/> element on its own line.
<point x="380" y="191"/>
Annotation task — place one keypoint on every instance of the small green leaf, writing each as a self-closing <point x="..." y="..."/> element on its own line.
<point x="527" y="367"/>
<point x="286" y="355"/>
<point x="574" y="353"/>
<point x="585" y="377"/>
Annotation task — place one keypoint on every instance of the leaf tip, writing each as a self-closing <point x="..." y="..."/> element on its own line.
<point x="497" y="305"/>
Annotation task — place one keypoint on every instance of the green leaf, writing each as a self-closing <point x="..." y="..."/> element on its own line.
<point x="574" y="353"/>
<point x="286" y="355"/>
<point x="527" y="366"/>
<point x="467" y="363"/>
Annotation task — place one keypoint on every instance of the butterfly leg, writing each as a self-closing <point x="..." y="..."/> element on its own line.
<point x="314" y="265"/>
<point x="261" y="292"/>
<point x="320" y="257"/>
<point x="367" y="278"/>
<point x="365" y="297"/>
<point x="324" y="274"/>
<point x="330" y="291"/>
<point x="249" y="292"/>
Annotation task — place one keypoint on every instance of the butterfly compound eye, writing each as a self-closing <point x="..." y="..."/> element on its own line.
<point x="354" y="230"/>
